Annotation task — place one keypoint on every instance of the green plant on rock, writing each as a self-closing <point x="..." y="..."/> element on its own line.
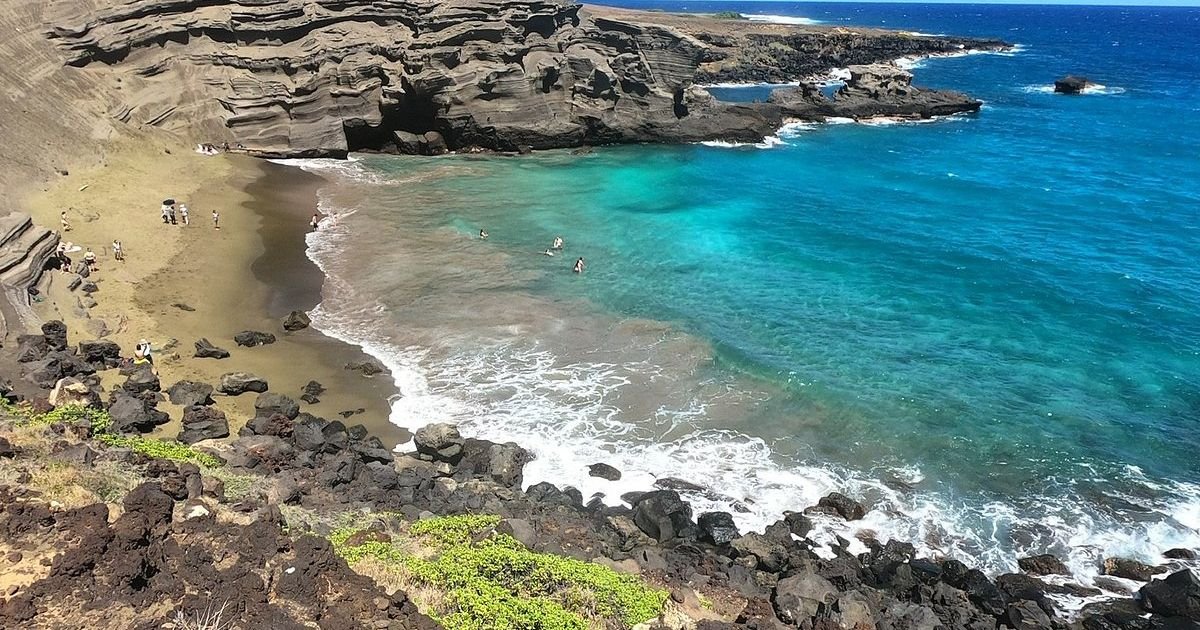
<point x="729" y="15"/>
<point x="162" y="449"/>
<point x="496" y="583"/>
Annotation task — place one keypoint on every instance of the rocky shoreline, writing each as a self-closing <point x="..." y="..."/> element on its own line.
<point x="176" y="523"/>
<point x="276" y="80"/>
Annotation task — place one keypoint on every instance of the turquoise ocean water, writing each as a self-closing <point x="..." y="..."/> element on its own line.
<point x="986" y="326"/>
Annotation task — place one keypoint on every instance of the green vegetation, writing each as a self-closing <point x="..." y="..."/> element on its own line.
<point x="24" y="415"/>
<point x="162" y="449"/>
<point x="496" y="583"/>
<point x="728" y="15"/>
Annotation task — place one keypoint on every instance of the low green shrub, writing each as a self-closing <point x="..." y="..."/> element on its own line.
<point x="497" y="583"/>
<point x="24" y="415"/>
<point x="162" y="449"/>
<point x="729" y="15"/>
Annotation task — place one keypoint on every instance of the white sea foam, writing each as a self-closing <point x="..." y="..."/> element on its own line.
<point x="743" y="85"/>
<point x="779" y="19"/>
<point x="564" y="412"/>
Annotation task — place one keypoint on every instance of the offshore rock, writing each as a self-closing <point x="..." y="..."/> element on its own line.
<point x="1070" y="84"/>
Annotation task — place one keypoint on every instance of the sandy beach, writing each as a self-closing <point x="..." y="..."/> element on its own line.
<point x="181" y="283"/>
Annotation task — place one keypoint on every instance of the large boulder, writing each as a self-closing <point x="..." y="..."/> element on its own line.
<point x="1178" y="595"/>
<point x="269" y="404"/>
<point x="296" y="320"/>
<point x="252" y="338"/>
<point x="843" y="505"/>
<point x="141" y="379"/>
<point x="798" y="598"/>
<point x="203" y="423"/>
<point x="604" y="471"/>
<point x="237" y="383"/>
<point x="1044" y="564"/>
<point x="71" y="391"/>
<point x="31" y="348"/>
<point x="440" y="442"/>
<point x="54" y="333"/>
<point x="717" y="528"/>
<point x="1131" y="569"/>
<point x="206" y="350"/>
<point x="662" y="515"/>
<point x="100" y="354"/>
<point x="190" y="393"/>
<point x="1070" y="84"/>
<point x="130" y="414"/>
<point x="769" y="554"/>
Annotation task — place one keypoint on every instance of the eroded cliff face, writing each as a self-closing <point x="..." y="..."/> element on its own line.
<point x="300" y="77"/>
<point x="324" y="77"/>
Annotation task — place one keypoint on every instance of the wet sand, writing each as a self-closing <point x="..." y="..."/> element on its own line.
<point x="245" y="276"/>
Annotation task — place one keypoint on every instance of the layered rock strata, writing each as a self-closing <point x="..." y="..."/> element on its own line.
<point x="321" y="78"/>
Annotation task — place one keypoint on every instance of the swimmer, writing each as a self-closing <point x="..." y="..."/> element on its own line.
<point x="578" y="265"/>
<point x="548" y="253"/>
<point x="558" y="243"/>
<point x="483" y="234"/>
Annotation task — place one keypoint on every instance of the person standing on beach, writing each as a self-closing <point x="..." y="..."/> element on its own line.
<point x="66" y="225"/>
<point x="142" y="352"/>
<point x="316" y="220"/>
<point x="89" y="257"/>
<point x="117" y="253"/>
<point x="173" y="215"/>
<point x="183" y="213"/>
<point x="216" y="220"/>
<point x="578" y="265"/>
<point x="166" y="214"/>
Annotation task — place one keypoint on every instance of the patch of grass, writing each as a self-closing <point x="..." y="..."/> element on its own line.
<point x="729" y="15"/>
<point x="22" y="414"/>
<point x="496" y="583"/>
<point x="162" y="449"/>
<point x="237" y="486"/>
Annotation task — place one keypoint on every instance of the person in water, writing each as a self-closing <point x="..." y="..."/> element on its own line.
<point x="483" y="234"/>
<point x="558" y="243"/>
<point x="547" y="253"/>
<point x="315" y="221"/>
<point x="578" y="265"/>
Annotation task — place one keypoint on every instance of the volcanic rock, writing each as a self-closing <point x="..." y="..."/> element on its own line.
<point x="190" y="393"/>
<point x="205" y="350"/>
<point x="296" y="320"/>
<point x="251" y="338"/>
<point x="237" y="383"/>
<point x="604" y="471"/>
<point x="1070" y="85"/>
<point x="203" y="423"/>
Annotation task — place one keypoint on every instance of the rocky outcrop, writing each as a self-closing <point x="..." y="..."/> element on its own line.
<point x="305" y="78"/>
<point x="872" y="91"/>
<point x="1071" y="85"/>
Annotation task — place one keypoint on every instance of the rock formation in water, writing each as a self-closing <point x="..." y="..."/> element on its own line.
<point x="1071" y="85"/>
<point x="876" y="90"/>
<point x="306" y="78"/>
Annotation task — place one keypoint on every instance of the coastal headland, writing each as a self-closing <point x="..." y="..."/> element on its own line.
<point x="280" y="512"/>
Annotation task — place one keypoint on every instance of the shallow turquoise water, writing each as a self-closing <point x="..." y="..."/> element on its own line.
<point x="995" y="315"/>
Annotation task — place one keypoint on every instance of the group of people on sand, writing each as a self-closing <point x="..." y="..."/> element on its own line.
<point x="178" y="214"/>
<point x="555" y="247"/>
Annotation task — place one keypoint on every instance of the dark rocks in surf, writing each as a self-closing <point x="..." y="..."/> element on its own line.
<point x="439" y="442"/>
<point x="663" y="516"/>
<point x="296" y="320"/>
<point x="1180" y="554"/>
<point x="717" y="528"/>
<point x="604" y="471"/>
<point x="1131" y="569"/>
<point x="1071" y="84"/>
<point x="1044" y="564"/>
<point x="252" y="338"/>
<point x="841" y="505"/>
<point x="1178" y="595"/>
<point x="206" y="350"/>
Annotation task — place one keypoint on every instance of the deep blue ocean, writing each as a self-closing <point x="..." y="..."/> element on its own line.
<point x="986" y="326"/>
